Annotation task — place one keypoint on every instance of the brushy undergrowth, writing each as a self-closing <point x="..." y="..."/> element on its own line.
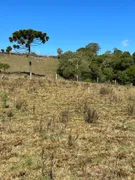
<point x="65" y="130"/>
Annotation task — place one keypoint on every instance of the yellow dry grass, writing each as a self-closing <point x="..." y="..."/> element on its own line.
<point x="43" y="133"/>
<point x="40" y="65"/>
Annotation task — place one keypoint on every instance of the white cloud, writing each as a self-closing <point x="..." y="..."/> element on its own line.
<point x="125" y="43"/>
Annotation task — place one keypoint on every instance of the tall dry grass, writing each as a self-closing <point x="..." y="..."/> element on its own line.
<point x="44" y="133"/>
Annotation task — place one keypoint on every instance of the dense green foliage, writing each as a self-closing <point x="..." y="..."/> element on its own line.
<point x="87" y="65"/>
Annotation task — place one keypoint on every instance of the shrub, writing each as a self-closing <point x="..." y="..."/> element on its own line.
<point x="4" y="66"/>
<point x="90" y="114"/>
<point x="4" y="99"/>
<point x="64" y="116"/>
<point x="105" y="90"/>
<point x="19" y="104"/>
<point x="10" y="114"/>
<point x="131" y="109"/>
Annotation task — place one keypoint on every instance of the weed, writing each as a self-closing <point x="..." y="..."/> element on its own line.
<point x="45" y="137"/>
<point x="90" y="115"/>
<point x="43" y="163"/>
<point x="4" y="98"/>
<point x="64" y="116"/>
<point x="131" y="98"/>
<point x="34" y="109"/>
<point x="10" y="114"/>
<point x="41" y="126"/>
<point x="28" y="161"/>
<point x="20" y="103"/>
<point x="105" y="90"/>
<point x="70" y="141"/>
<point x="131" y="109"/>
<point x="51" y="167"/>
<point x="49" y="124"/>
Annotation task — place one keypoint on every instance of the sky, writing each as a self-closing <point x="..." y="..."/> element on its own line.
<point x="71" y="24"/>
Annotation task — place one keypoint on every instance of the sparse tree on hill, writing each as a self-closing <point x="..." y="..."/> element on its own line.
<point x="59" y="51"/>
<point x="25" y="39"/>
<point x="2" y="50"/>
<point x="9" y="49"/>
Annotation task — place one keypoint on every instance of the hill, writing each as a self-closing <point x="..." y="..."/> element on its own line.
<point x="66" y="130"/>
<point x="41" y="65"/>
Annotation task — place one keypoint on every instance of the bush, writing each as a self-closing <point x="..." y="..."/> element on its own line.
<point x="4" y="66"/>
<point x="64" y="116"/>
<point x="10" y="114"/>
<point x="20" y="103"/>
<point x="105" y="90"/>
<point x="4" y="98"/>
<point x="90" y="114"/>
<point x="131" y="109"/>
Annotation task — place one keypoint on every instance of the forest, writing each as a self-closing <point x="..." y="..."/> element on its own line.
<point x="86" y="64"/>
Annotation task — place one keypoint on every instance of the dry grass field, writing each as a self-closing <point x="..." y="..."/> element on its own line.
<point x="66" y="130"/>
<point x="40" y="65"/>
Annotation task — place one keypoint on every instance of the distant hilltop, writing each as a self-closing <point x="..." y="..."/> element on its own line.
<point x="24" y="54"/>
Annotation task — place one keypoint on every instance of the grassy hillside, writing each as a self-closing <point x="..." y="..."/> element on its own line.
<point x="40" y="65"/>
<point x="66" y="130"/>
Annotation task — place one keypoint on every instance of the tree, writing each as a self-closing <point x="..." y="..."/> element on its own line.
<point x="9" y="49"/>
<point x="117" y="52"/>
<point x="94" y="47"/>
<point x="108" y="61"/>
<point x="99" y="59"/>
<point x="59" y="51"/>
<point x="108" y="72"/>
<point x="122" y="77"/>
<point x="133" y="56"/>
<point x="86" y="52"/>
<point x="2" y="50"/>
<point x="81" y="66"/>
<point x="108" y="52"/>
<point x="131" y="74"/>
<point x="25" y="39"/>
<point x="64" y="63"/>
<point x="95" y="70"/>
<point x="73" y="65"/>
<point x="126" y="54"/>
<point x="121" y="60"/>
<point x="126" y="60"/>
<point x="82" y="49"/>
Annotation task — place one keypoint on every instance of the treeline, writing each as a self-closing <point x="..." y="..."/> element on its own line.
<point x="86" y="65"/>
